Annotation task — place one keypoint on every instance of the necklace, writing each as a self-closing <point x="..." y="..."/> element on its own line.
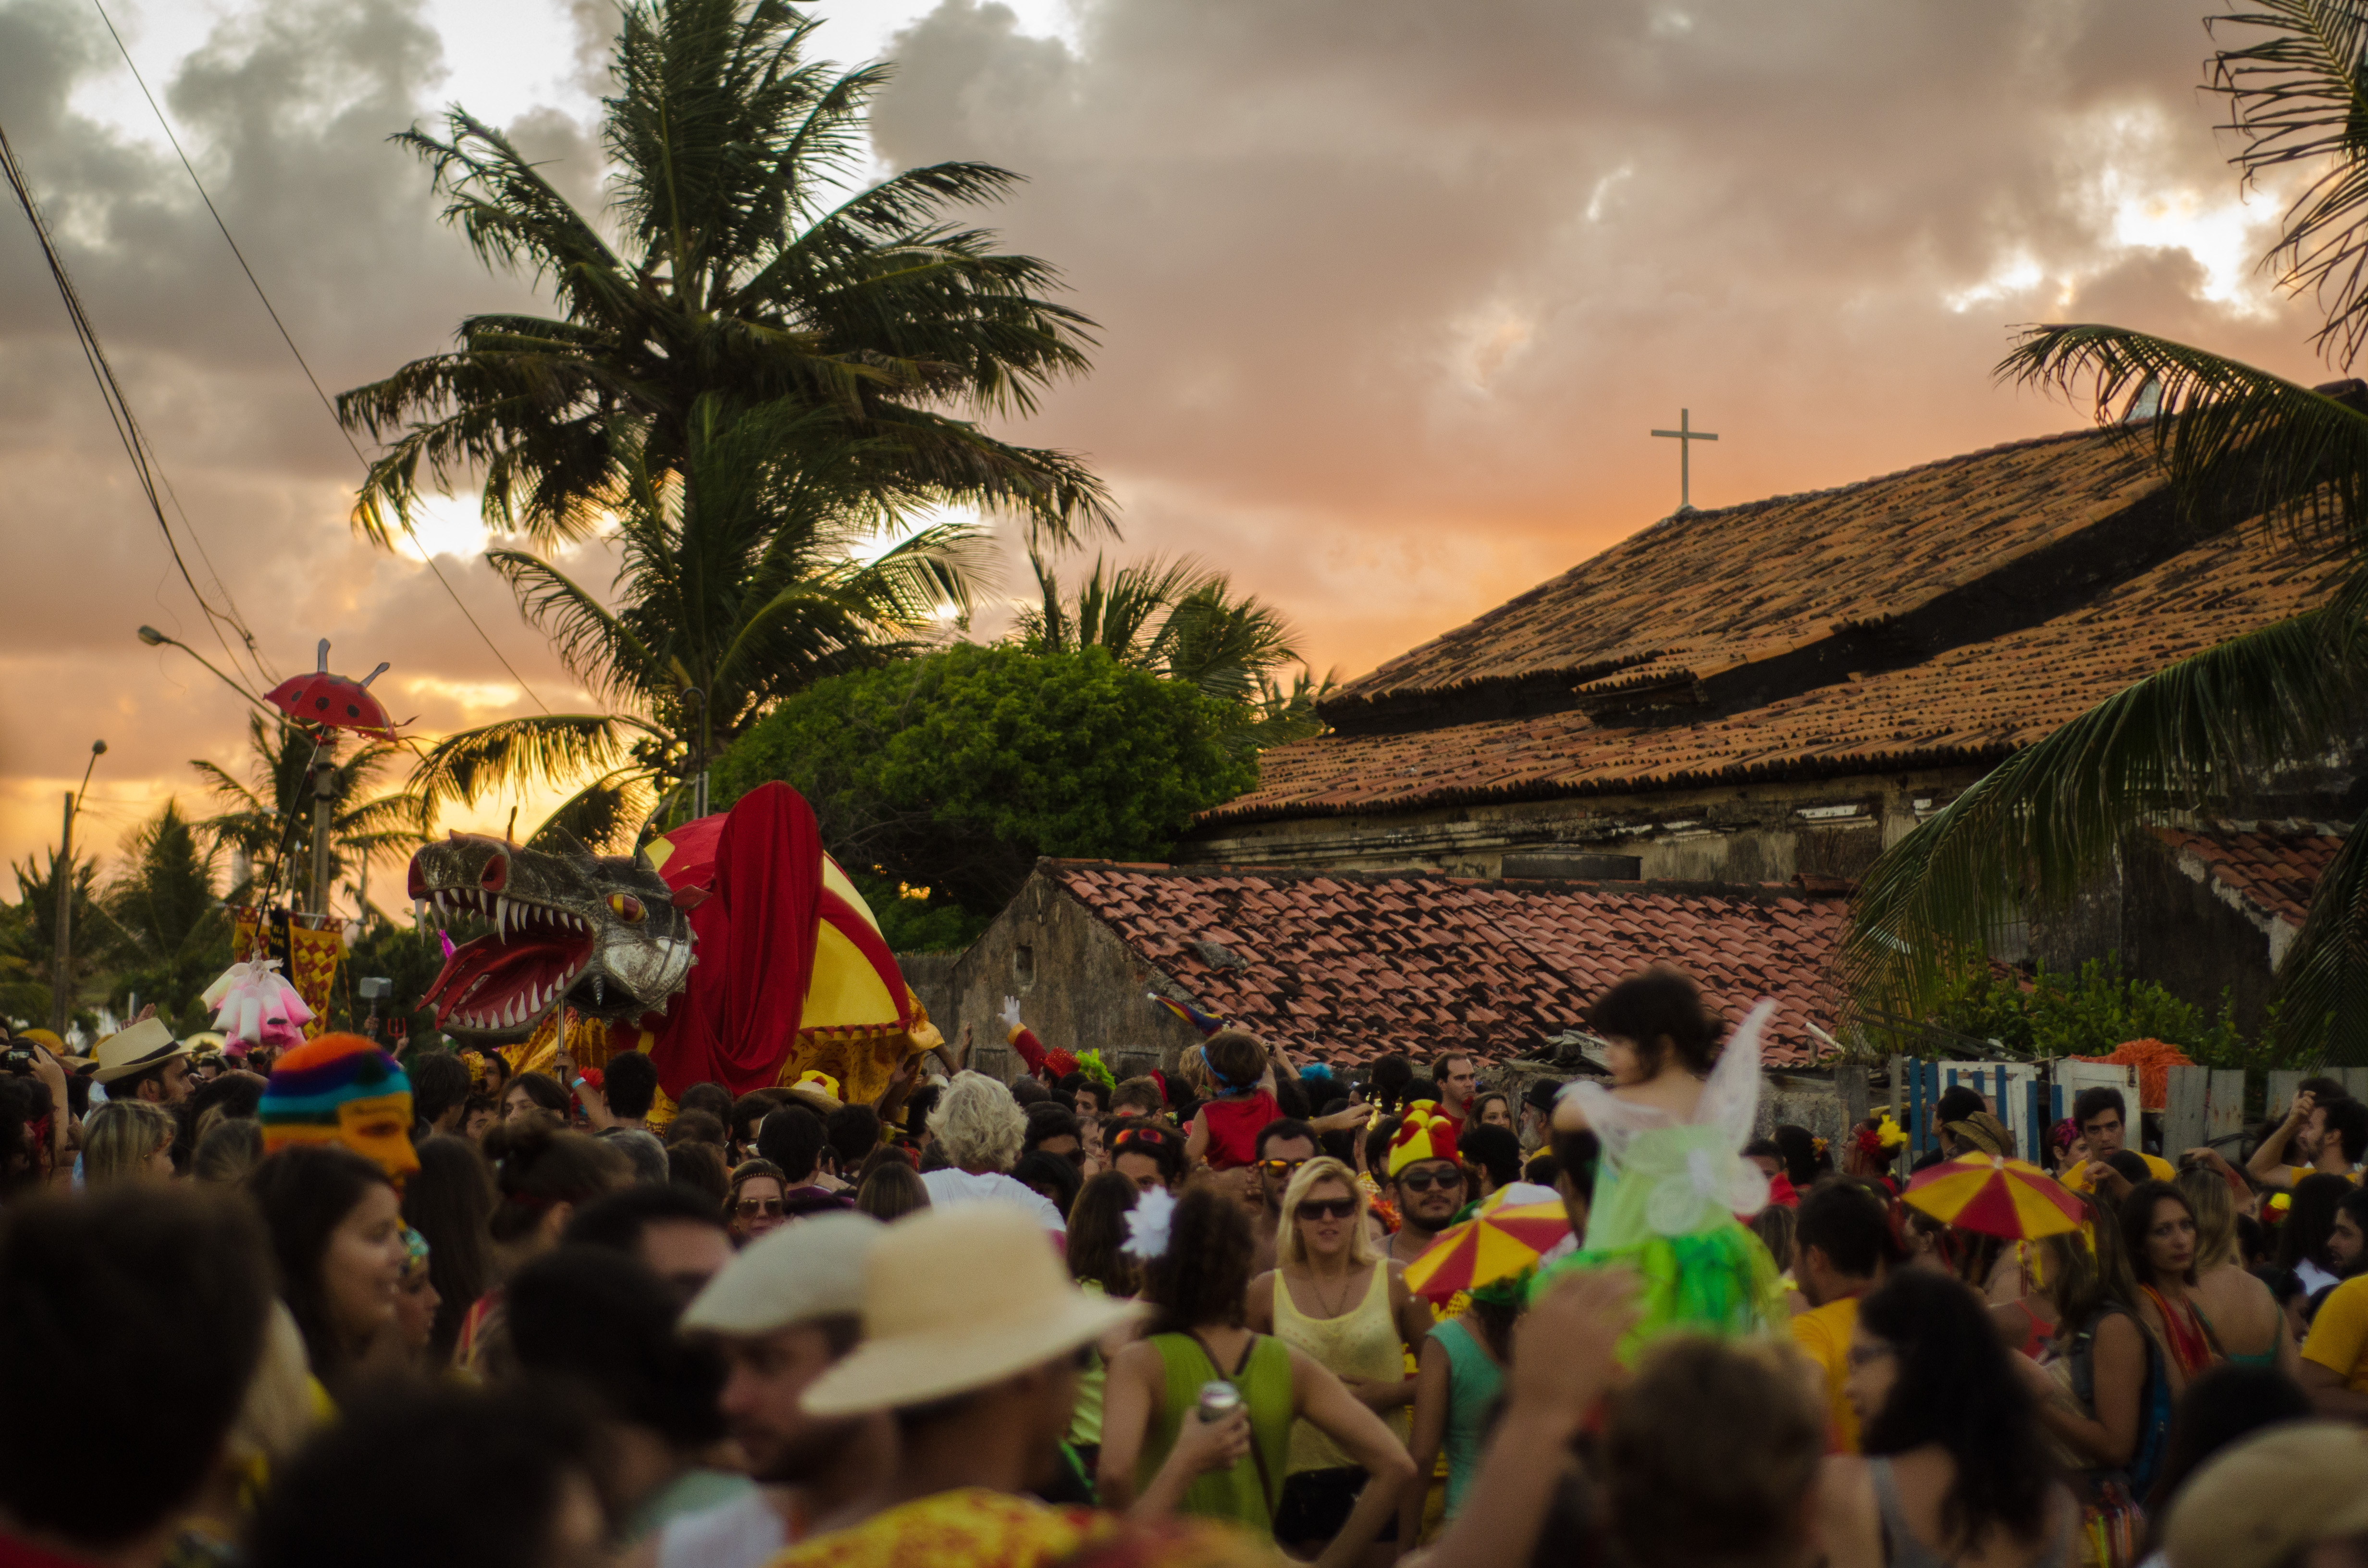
<point x="1348" y="1283"/>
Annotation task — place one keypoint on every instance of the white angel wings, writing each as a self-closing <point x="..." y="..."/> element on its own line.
<point x="1693" y="1181"/>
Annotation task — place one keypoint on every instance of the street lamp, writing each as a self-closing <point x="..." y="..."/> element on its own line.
<point x="60" y="971"/>
<point x="155" y="639"/>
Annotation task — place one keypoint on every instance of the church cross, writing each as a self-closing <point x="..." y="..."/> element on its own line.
<point x="1685" y="436"/>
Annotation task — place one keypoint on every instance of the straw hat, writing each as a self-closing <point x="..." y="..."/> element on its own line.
<point x="956" y="1299"/>
<point x="792" y="1273"/>
<point x="2267" y="1498"/>
<point x="136" y="1050"/>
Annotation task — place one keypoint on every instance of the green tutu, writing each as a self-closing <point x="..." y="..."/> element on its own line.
<point x="1718" y="1281"/>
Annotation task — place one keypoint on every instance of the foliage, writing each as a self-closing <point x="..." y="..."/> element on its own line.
<point x="2211" y="733"/>
<point x="269" y="814"/>
<point x="956" y="770"/>
<point x="738" y="266"/>
<point x="917" y="920"/>
<point x="31" y="934"/>
<point x="739" y="582"/>
<point x="407" y="956"/>
<point x="2085" y="1013"/>
<point x="172" y="938"/>
<point x="1178" y="620"/>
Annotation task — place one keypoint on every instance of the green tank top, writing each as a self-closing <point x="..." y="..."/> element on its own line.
<point x="1248" y="1494"/>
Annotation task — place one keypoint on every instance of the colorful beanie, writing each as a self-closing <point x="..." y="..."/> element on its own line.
<point x="341" y="1089"/>
<point x="1426" y="1134"/>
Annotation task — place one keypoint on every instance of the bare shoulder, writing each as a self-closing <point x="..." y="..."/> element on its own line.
<point x="1846" y="1515"/>
<point x="1139" y="1360"/>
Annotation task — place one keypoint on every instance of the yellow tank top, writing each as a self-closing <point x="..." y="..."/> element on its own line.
<point x="1360" y="1343"/>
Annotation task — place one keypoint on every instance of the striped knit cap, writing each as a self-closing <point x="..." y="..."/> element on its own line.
<point x="340" y="1088"/>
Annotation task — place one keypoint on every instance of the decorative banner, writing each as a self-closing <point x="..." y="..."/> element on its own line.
<point x="313" y="957"/>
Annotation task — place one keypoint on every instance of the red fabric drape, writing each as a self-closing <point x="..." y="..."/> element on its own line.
<point x="737" y="1019"/>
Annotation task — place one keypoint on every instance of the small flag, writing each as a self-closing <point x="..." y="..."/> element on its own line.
<point x="1200" y="1020"/>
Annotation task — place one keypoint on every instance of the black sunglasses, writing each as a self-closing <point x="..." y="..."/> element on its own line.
<point x="1327" y="1209"/>
<point x="1423" y="1181"/>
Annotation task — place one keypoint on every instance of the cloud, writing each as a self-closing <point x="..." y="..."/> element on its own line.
<point x="1391" y="292"/>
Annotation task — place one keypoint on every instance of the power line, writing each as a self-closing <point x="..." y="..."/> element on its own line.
<point x="285" y="337"/>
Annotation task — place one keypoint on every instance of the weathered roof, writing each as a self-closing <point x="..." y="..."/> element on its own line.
<point x="1352" y="965"/>
<point x="1972" y="703"/>
<point x="2271" y="869"/>
<point x="1703" y="591"/>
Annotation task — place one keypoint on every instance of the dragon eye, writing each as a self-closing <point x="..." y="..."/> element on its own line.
<point x="625" y="907"/>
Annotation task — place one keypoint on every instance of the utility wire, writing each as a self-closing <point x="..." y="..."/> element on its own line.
<point x="285" y="337"/>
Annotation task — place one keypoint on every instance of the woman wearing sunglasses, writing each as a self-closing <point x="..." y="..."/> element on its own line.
<point x="1345" y="1307"/>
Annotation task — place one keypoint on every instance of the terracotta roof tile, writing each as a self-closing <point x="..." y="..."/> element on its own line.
<point x="1969" y="705"/>
<point x="2273" y="867"/>
<point x="1419" y="964"/>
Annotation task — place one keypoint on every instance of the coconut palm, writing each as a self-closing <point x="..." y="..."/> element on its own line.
<point x="746" y="260"/>
<point x="266" y="818"/>
<point x="2202" y="735"/>
<point x="748" y="570"/>
<point x="1182" y="620"/>
<point x="173" y="936"/>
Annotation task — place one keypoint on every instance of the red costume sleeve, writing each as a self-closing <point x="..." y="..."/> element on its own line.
<point x="1032" y="1049"/>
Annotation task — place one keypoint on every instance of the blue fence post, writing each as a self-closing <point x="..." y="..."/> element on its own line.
<point x="2032" y="1133"/>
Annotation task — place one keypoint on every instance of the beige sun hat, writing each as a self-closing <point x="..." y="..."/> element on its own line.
<point x="2271" y="1496"/>
<point x="137" y="1049"/>
<point x="955" y="1299"/>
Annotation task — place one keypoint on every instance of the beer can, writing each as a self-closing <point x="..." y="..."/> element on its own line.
<point x="1219" y="1398"/>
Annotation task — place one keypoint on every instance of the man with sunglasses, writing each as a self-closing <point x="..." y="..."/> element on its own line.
<point x="1426" y="1179"/>
<point x="1282" y="1147"/>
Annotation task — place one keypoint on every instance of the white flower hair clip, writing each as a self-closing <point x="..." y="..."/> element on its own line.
<point x="1147" y="1223"/>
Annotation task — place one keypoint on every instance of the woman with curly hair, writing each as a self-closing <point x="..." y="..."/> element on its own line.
<point x="980" y="1129"/>
<point x="1196" y="1272"/>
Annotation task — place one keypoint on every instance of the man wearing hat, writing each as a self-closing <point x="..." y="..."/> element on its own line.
<point x="1426" y="1179"/>
<point x="783" y="1312"/>
<point x="972" y="1331"/>
<point x="144" y="1063"/>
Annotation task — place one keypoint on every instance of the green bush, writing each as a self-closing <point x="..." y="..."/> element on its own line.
<point x="2088" y="1012"/>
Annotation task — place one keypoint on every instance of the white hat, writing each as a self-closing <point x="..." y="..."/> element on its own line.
<point x="795" y="1273"/>
<point x="957" y="1299"/>
<point x="144" y="1045"/>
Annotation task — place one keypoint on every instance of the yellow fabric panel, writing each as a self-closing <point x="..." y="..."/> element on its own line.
<point x="846" y="992"/>
<point x="837" y="882"/>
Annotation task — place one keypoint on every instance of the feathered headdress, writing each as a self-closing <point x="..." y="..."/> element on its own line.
<point x="1091" y="1064"/>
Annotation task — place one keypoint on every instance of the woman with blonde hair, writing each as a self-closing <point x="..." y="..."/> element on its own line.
<point x="125" y="1138"/>
<point x="2244" y="1316"/>
<point x="1346" y="1306"/>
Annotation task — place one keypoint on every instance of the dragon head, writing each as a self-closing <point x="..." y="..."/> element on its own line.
<point x="599" y="933"/>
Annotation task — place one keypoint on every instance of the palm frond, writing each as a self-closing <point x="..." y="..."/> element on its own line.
<point x="2234" y="439"/>
<point x="2052" y="816"/>
<point x="603" y="816"/>
<point x="2299" y="95"/>
<point x="595" y="646"/>
<point x="2323" y="985"/>
<point x="538" y="748"/>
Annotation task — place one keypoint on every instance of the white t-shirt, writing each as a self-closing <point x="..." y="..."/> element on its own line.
<point x="951" y="1189"/>
<point x="746" y="1532"/>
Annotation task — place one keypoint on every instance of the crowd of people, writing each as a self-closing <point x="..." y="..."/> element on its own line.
<point x="342" y="1308"/>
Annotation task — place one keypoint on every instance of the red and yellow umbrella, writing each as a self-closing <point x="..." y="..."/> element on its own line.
<point x="2013" y="1199"/>
<point x="1493" y="1244"/>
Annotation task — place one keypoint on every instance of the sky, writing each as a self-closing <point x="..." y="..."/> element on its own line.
<point x="1389" y="295"/>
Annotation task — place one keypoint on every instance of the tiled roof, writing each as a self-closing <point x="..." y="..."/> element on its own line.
<point x="1701" y="592"/>
<point x="2273" y="867"/>
<point x="1972" y="704"/>
<point x="1352" y="965"/>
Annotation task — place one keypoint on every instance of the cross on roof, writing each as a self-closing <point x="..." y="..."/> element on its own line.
<point x="1685" y="436"/>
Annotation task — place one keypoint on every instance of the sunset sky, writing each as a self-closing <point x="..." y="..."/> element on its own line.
<point x="1391" y="292"/>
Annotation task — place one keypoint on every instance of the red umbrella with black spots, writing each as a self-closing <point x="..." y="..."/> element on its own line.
<point x="338" y="701"/>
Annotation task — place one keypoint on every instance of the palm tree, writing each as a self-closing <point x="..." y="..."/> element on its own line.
<point x="748" y="570"/>
<point x="267" y="818"/>
<point x="2203" y="733"/>
<point x="1180" y="620"/>
<point x="738" y="266"/>
<point x="173" y="938"/>
<point x="26" y="972"/>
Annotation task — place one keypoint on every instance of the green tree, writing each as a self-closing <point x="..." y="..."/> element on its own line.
<point x="2203" y="734"/>
<point x="741" y="579"/>
<point x="173" y="939"/>
<point x="955" y="771"/>
<point x="1183" y="622"/>
<point x="736" y="265"/>
<point x="31" y="934"/>
<point x="267" y="817"/>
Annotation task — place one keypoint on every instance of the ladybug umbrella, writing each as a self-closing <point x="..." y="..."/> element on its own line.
<point x="338" y="701"/>
<point x="1491" y="1245"/>
<point x="1997" y="1196"/>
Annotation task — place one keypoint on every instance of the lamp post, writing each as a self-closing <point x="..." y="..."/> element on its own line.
<point x="155" y="639"/>
<point x="62" y="959"/>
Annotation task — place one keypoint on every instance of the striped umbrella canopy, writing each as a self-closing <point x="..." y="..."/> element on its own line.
<point x="2013" y="1199"/>
<point x="1493" y="1244"/>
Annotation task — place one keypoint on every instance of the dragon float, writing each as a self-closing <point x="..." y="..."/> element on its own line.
<point x="732" y="949"/>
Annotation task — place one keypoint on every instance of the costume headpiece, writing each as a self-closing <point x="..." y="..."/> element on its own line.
<point x="254" y="1005"/>
<point x="340" y="1089"/>
<point x="1424" y="1134"/>
<point x="1091" y="1064"/>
